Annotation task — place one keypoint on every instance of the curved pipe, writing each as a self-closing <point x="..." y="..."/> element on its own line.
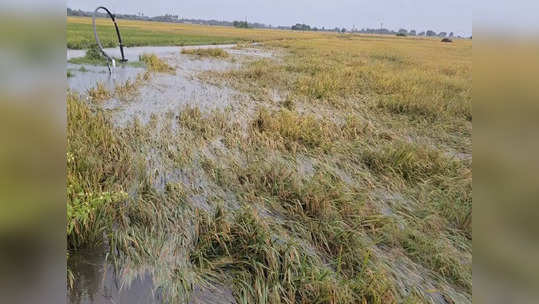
<point x="117" y="34"/>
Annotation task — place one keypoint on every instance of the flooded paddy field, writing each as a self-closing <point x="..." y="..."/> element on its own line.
<point x="329" y="170"/>
<point x="162" y="97"/>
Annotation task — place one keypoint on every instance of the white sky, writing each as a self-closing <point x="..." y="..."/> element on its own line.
<point x="445" y="15"/>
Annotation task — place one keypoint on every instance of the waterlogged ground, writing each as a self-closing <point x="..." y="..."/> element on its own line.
<point x="164" y="95"/>
<point x="335" y="170"/>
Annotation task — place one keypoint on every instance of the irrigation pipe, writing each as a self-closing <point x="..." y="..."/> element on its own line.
<point x="110" y="59"/>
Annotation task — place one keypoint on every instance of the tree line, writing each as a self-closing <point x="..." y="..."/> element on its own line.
<point x="245" y="24"/>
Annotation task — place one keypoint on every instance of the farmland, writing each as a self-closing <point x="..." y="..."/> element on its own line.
<point x="308" y="168"/>
<point x="80" y="33"/>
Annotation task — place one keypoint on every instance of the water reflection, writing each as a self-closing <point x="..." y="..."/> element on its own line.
<point x="96" y="281"/>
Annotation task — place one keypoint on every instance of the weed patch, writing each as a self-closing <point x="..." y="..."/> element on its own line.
<point x="93" y="56"/>
<point x="154" y="64"/>
<point x="206" y="52"/>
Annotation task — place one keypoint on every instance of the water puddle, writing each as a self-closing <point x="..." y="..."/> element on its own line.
<point x="96" y="281"/>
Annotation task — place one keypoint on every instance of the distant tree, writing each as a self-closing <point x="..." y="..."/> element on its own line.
<point x="421" y="34"/>
<point x="343" y="30"/>
<point x="301" y="27"/>
<point x="403" y="31"/>
<point x="431" y="33"/>
<point x="451" y="35"/>
<point x="442" y="34"/>
<point x="240" y="24"/>
<point x="412" y="33"/>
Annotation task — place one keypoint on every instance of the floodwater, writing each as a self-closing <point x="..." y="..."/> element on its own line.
<point x="163" y="93"/>
<point x="97" y="282"/>
<point x="133" y="53"/>
<point x="86" y="76"/>
<point x="165" y="96"/>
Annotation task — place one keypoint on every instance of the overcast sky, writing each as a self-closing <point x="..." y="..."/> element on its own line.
<point x="438" y="15"/>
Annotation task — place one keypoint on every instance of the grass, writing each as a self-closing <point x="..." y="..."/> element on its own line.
<point x="93" y="56"/>
<point x="206" y="52"/>
<point x="99" y="93"/>
<point x="123" y="91"/>
<point x="155" y="64"/>
<point x="142" y="33"/>
<point x="98" y="167"/>
<point x="80" y="34"/>
<point x="345" y="188"/>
